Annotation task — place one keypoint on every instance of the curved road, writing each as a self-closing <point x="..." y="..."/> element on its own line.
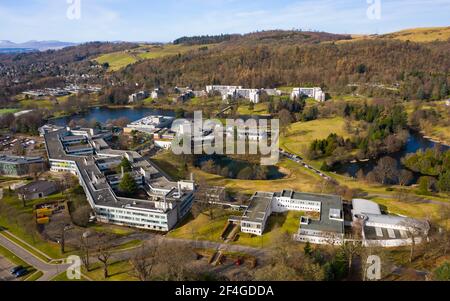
<point x="50" y="270"/>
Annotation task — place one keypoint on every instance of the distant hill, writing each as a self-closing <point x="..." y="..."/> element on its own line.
<point x="418" y="35"/>
<point x="37" y="45"/>
<point x="421" y="34"/>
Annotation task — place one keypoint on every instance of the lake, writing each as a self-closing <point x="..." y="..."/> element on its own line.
<point x="103" y="114"/>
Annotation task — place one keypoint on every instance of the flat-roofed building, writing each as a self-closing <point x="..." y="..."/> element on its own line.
<point x="16" y="166"/>
<point x="386" y="230"/>
<point x="327" y="228"/>
<point x="315" y="93"/>
<point x="161" y="206"/>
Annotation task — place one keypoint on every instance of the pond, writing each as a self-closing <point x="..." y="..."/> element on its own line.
<point x="415" y="142"/>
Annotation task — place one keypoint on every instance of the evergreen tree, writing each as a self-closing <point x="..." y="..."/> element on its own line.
<point x="128" y="185"/>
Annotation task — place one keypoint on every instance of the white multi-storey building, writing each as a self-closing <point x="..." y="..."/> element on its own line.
<point x="315" y="93"/>
<point x="165" y="202"/>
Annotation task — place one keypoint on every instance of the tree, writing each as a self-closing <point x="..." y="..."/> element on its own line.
<point x="128" y="185"/>
<point x="351" y="249"/>
<point x="104" y="255"/>
<point x="85" y="250"/>
<point x="405" y="177"/>
<point x="143" y="261"/>
<point x="285" y="120"/>
<point x="442" y="273"/>
<point x="413" y="231"/>
<point x="126" y="165"/>
<point x="81" y="216"/>
<point x="386" y="170"/>
<point x="444" y="182"/>
<point x="307" y="249"/>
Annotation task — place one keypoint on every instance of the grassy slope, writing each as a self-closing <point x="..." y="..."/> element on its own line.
<point x="259" y="109"/>
<point x="301" y="134"/>
<point x="203" y="228"/>
<point x="119" y="60"/>
<point x="419" y="35"/>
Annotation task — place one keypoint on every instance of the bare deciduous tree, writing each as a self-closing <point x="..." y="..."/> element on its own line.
<point x="104" y="255"/>
<point x="143" y="261"/>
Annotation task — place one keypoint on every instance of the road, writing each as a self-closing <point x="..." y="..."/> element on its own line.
<point x="300" y="161"/>
<point x="49" y="270"/>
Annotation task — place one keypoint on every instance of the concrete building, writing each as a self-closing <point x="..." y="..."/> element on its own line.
<point x="157" y="93"/>
<point x="386" y="230"/>
<point x="15" y="166"/>
<point x="221" y="89"/>
<point x="36" y="190"/>
<point x="161" y="204"/>
<point x="138" y="96"/>
<point x="327" y="226"/>
<point x="150" y="124"/>
<point x="315" y="93"/>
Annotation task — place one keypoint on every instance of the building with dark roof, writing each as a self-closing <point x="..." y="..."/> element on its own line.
<point x="37" y="190"/>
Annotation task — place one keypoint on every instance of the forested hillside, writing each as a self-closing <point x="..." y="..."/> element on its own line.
<point x="413" y="70"/>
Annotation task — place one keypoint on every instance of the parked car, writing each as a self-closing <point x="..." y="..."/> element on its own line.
<point x="21" y="273"/>
<point x="16" y="269"/>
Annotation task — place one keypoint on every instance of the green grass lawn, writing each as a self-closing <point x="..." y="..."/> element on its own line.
<point x="297" y="178"/>
<point x="119" y="60"/>
<point x="63" y="278"/>
<point x="301" y="134"/>
<point x="11" y="224"/>
<point x="118" y="271"/>
<point x="259" y="109"/>
<point x="6" y="111"/>
<point x="35" y="276"/>
<point x="18" y="262"/>
<point x="277" y="225"/>
<point x="202" y="227"/>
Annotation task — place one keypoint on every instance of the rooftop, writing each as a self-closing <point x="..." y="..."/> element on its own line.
<point x="38" y="186"/>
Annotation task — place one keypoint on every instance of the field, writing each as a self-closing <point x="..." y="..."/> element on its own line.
<point x="119" y="60"/>
<point x="301" y="134"/>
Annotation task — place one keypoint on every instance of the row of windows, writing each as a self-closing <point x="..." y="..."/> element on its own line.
<point x="122" y="217"/>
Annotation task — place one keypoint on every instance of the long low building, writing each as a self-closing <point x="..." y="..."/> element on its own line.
<point x="163" y="204"/>
<point x="386" y="230"/>
<point x="326" y="227"/>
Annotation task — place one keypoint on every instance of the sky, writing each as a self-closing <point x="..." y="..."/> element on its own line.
<point x="166" y="20"/>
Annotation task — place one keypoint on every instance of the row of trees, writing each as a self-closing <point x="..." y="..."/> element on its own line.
<point x="27" y="124"/>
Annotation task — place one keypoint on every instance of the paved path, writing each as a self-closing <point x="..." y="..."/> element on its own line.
<point x="50" y="270"/>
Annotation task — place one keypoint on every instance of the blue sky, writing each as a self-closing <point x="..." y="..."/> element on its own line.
<point x="165" y="20"/>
